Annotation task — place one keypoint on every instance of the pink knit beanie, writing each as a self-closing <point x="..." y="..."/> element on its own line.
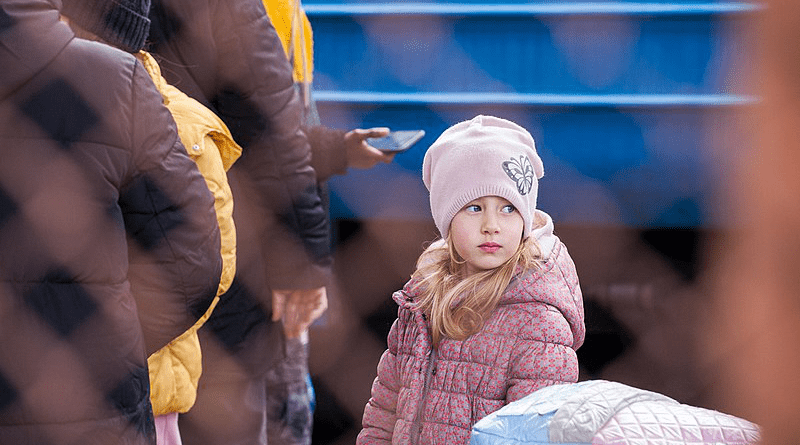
<point x="484" y="156"/>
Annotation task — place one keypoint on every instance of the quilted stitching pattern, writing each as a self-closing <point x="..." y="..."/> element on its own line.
<point x="609" y="413"/>
<point x="66" y="123"/>
<point x="61" y="302"/>
<point x="147" y="231"/>
<point x="653" y="423"/>
<point x="582" y="415"/>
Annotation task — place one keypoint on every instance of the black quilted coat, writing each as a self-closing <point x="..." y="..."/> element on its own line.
<point x="226" y="55"/>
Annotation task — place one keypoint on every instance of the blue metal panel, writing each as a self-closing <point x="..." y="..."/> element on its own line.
<point x="477" y="7"/>
<point x="368" y="6"/>
<point x="624" y="99"/>
<point x="603" y="166"/>
<point x="551" y="100"/>
<point x="569" y="53"/>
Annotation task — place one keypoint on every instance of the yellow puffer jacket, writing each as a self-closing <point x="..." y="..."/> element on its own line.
<point x="294" y="29"/>
<point x="175" y="369"/>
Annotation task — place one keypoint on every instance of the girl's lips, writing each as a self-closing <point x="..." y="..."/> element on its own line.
<point x="489" y="247"/>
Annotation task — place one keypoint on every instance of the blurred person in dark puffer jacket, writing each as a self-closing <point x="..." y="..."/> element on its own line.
<point x="227" y="55"/>
<point x="99" y="202"/>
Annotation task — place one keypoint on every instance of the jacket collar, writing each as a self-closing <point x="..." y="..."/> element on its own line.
<point x="544" y="233"/>
<point x="31" y="36"/>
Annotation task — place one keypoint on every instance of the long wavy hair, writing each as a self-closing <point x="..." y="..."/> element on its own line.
<point x="458" y="305"/>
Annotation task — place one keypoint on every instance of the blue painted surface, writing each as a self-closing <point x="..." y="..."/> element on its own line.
<point x="633" y="105"/>
<point x="463" y="8"/>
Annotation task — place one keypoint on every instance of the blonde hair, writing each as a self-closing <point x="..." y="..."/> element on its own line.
<point x="457" y="305"/>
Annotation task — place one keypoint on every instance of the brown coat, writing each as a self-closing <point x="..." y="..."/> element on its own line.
<point x="96" y="192"/>
<point x="226" y="55"/>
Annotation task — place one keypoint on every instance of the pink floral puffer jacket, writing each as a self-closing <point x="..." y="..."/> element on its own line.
<point x="427" y="396"/>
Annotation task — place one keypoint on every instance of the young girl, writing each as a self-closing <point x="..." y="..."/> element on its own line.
<point x="494" y="309"/>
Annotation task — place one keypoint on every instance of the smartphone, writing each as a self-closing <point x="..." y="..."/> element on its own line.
<point x="397" y="141"/>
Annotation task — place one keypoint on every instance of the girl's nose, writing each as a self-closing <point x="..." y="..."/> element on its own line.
<point x="490" y="223"/>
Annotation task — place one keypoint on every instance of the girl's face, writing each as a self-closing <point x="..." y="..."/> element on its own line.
<point x="486" y="232"/>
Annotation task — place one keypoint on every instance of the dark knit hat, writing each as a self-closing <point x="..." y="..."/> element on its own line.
<point x="122" y="23"/>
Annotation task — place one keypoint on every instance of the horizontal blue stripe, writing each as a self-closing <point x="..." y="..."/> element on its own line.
<point x="493" y="9"/>
<point x="546" y="100"/>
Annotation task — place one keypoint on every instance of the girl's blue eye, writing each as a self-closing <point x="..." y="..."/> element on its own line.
<point x="509" y="209"/>
<point x="473" y="208"/>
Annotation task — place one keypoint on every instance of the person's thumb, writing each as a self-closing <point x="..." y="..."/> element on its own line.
<point x="376" y="132"/>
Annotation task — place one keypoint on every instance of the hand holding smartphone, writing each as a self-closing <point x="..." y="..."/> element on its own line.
<point x="397" y="141"/>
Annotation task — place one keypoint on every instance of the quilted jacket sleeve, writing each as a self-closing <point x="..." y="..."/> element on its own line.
<point x="329" y="155"/>
<point x="380" y="414"/>
<point x="538" y="364"/>
<point x="175" y="261"/>
<point x="545" y="349"/>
